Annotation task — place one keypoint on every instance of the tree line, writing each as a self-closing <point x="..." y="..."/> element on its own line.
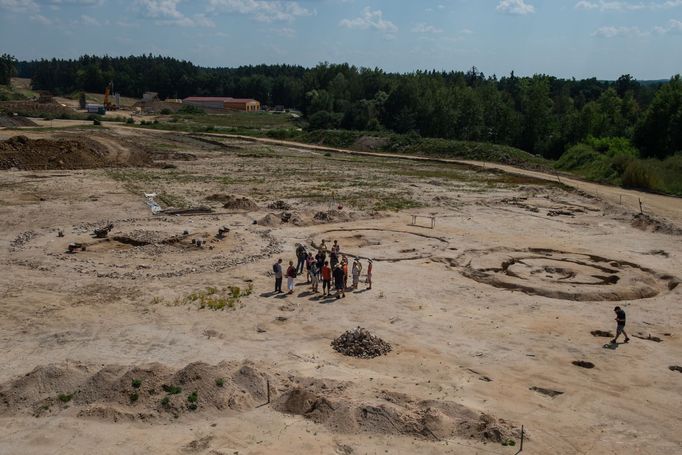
<point x="541" y="114"/>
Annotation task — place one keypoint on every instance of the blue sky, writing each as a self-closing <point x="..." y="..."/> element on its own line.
<point x="567" y="38"/>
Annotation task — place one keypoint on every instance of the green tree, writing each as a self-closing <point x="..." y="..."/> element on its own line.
<point x="660" y="132"/>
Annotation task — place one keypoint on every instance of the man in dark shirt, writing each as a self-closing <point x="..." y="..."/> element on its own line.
<point x="277" y="270"/>
<point x="338" y="281"/>
<point x="620" y="320"/>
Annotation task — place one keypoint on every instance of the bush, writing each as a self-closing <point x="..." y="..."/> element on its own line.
<point x="166" y="111"/>
<point x="189" y="109"/>
<point x="130" y="121"/>
<point x="637" y="176"/>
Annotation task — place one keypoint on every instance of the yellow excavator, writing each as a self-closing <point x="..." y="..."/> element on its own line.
<point x="108" y="105"/>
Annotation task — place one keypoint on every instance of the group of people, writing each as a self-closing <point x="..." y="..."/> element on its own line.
<point x="328" y="266"/>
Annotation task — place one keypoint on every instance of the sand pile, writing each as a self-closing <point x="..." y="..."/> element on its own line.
<point x="648" y="223"/>
<point x="393" y="414"/>
<point x="360" y="343"/>
<point x="32" y="154"/>
<point x="234" y="202"/>
<point x="14" y="121"/>
<point x="117" y="392"/>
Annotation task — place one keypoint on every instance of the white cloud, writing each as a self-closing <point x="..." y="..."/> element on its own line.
<point x="40" y="19"/>
<point x="620" y="6"/>
<point x="425" y="28"/>
<point x="89" y="20"/>
<point x="515" y="7"/>
<point x="673" y="26"/>
<point x="262" y="10"/>
<point x="370" y="20"/>
<point x="166" y="13"/>
<point x="613" y="32"/>
<point x="19" y="6"/>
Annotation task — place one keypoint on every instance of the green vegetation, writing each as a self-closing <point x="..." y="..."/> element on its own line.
<point x="616" y="161"/>
<point x="216" y="299"/>
<point x="191" y="110"/>
<point x="136" y="383"/>
<point x="171" y="389"/>
<point x="220" y="382"/>
<point x="65" y="397"/>
<point x="165" y="402"/>
<point x="8" y="68"/>
<point x="134" y="397"/>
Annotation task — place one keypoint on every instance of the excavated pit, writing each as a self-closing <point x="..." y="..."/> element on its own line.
<point x="564" y="275"/>
<point x="383" y="244"/>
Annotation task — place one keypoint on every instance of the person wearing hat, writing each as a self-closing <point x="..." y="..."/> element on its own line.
<point x="368" y="281"/>
<point x="620" y="328"/>
<point x="338" y="281"/>
<point x="357" y="270"/>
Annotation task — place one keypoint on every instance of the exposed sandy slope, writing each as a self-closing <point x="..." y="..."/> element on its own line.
<point x="467" y="348"/>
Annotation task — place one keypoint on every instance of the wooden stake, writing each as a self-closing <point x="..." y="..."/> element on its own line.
<point x="641" y="211"/>
<point x="268" y="382"/>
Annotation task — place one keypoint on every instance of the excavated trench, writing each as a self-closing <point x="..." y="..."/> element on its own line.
<point x="564" y="275"/>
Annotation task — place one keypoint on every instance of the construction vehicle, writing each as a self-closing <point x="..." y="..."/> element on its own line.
<point x="108" y="105"/>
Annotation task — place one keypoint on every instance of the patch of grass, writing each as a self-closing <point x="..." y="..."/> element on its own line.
<point x="171" y="389"/>
<point x="136" y="383"/>
<point x="216" y="299"/>
<point x="134" y="397"/>
<point x="165" y="402"/>
<point x="171" y="200"/>
<point x="192" y="401"/>
<point x="65" y="397"/>
<point x="220" y="382"/>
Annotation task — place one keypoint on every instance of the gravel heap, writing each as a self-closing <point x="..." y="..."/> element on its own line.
<point x="360" y="343"/>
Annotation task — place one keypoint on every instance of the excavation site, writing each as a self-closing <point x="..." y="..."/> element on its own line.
<point x="445" y="307"/>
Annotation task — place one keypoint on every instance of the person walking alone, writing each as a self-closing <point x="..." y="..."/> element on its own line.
<point x="277" y="270"/>
<point x="620" y="327"/>
<point x="291" y="276"/>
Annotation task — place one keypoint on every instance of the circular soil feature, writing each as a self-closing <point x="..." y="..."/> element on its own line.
<point x="563" y="275"/>
<point x="383" y="244"/>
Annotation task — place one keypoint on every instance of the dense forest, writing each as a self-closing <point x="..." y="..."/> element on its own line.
<point x="541" y="114"/>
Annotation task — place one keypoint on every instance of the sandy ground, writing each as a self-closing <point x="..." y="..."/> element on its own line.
<point x="498" y="299"/>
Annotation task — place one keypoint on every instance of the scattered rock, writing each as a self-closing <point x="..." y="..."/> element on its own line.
<point x="676" y="368"/>
<point x="360" y="343"/>
<point x="583" y="364"/>
<point x="279" y="205"/>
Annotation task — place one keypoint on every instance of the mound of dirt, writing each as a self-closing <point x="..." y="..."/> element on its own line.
<point x="270" y="220"/>
<point x="394" y="414"/>
<point x="123" y="393"/>
<point x="647" y="223"/>
<point x="360" y="343"/>
<point x="14" y="121"/>
<point x="234" y="202"/>
<point x="32" y="154"/>
<point x="279" y="205"/>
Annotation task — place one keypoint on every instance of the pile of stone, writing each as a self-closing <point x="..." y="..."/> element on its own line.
<point x="360" y="343"/>
<point x="279" y="205"/>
